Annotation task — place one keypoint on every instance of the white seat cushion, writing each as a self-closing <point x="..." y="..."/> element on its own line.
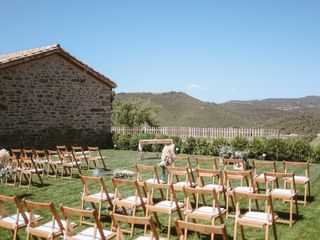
<point x="89" y="232"/>
<point x="47" y="227"/>
<point x="101" y="197"/>
<point x="170" y="206"/>
<point x="299" y="179"/>
<point x="152" y="180"/>
<point x="260" y="217"/>
<point x="213" y="186"/>
<point x="134" y="200"/>
<point x="12" y="219"/>
<point x="243" y="189"/>
<point x="148" y="238"/>
<point x="206" y="210"/>
<point x="282" y="192"/>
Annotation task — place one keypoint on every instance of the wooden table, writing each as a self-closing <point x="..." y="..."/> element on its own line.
<point x="144" y="142"/>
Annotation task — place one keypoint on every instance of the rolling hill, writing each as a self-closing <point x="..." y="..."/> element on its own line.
<point x="300" y="115"/>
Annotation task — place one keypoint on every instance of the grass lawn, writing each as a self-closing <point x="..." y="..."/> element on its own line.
<point x="68" y="192"/>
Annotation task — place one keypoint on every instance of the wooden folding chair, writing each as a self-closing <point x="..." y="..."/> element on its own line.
<point x="253" y="218"/>
<point x="80" y="155"/>
<point x="207" y="163"/>
<point x="125" y="201"/>
<point x="27" y="169"/>
<point x="208" y="212"/>
<point x="62" y="148"/>
<point x="94" y="232"/>
<point x="69" y="163"/>
<point x="238" y="164"/>
<point x="93" y="197"/>
<point x="96" y="156"/>
<point x="118" y="219"/>
<point x="182" y="226"/>
<point x="302" y="179"/>
<point x="215" y="181"/>
<point x="49" y="230"/>
<point x="259" y="167"/>
<point x="183" y="161"/>
<point x="287" y="195"/>
<point x="235" y="176"/>
<point x="54" y="163"/>
<point x="185" y="179"/>
<point x="144" y="173"/>
<point x="168" y="205"/>
<point x="16" y="221"/>
<point x="15" y="168"/>
<point x="40" y="158"/>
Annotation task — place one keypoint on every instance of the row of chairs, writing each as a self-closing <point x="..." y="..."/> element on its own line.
<point x="26" y="163"/>
<point x="31" y="217"/>
<point x="211" y="211"/>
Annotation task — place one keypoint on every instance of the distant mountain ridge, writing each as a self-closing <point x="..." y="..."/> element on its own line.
<point x="299" y="115"/>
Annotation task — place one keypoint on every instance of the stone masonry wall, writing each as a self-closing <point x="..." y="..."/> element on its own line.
<point x="51" y="101"/>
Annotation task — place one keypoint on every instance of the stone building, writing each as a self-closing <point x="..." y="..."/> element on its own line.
<point x="49" y="97"/>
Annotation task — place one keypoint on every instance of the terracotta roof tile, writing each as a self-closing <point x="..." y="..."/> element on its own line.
<point x="16" y="57"/>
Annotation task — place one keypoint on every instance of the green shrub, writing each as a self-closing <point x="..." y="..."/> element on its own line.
<point x="276" y="149"/>
<point x="298" y="149"/>
<point x="123" y="142"/>
<point x="188" y="145"/>
<point x="134" y="142"/>
<point x="177" y="142"/>
<point x="239" y="143"/>
<point x="256" y="147"/>
<point x="315" y="154"/>
<point x="201" y="147"/>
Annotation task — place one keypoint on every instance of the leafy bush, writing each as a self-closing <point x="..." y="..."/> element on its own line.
<point x="316" y="154"/>
<point x="298" y="149"/>
<point x="188" y="145"/>
<point x="276" y="148"/>
<point x="239" y="143"/>
<point x="201" y="147"/>
<point x="256" y="147"/>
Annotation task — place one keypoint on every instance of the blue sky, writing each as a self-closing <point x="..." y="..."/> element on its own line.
<point x="213" y="50"/>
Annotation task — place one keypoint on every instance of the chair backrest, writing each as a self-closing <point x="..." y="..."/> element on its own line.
<point x="280" y="176"/>
<point x="199" y="228"/>
<point x="33" y="209"/>
<point x="61" y="148"/>
<point x="265" y="198"/>
<point x="263" y="166"/>
<point x="27" y="153"/>
<point x="15" y="153"/>
<point x="96" y="181"/>
<point x="53" y="156"/>
<point x="68" y="213"/>
<point x="211" y="174"/>
<point x="175" y="172"/>
<point x="94" y="152"/>
<point x="232" y="176"/>
<point x="118" y="219"/>
<point x="189" y="192"/>
<point x="78" y="153"/>
<point x="238" y="164"/>
<point x="39" y="154"/>
<point x="181" y="161"/>
<point x="207" y="162"/>
<point x="6" y="203"/>
<point x="66" y="156"/>
<point x="144" y="172"/>
<point x="296" y="167"/>
<point x="123" y="188"/>
<point x="170" y="196"/>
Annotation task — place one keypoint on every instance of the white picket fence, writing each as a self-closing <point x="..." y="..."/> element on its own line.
<point x="208" y="133"/>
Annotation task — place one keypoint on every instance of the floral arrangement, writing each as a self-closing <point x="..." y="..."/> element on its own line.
<point x="5" y="169"/>
<point x="166" y="156"/>
<point x="227" y="152"/>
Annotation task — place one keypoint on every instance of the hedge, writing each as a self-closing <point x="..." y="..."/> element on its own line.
<point x="296" y="149"/>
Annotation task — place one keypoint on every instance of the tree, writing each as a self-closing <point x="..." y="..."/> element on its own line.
<point x="134" y="113"/>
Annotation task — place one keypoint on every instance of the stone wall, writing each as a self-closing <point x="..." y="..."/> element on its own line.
<point x="51" y="101"/>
